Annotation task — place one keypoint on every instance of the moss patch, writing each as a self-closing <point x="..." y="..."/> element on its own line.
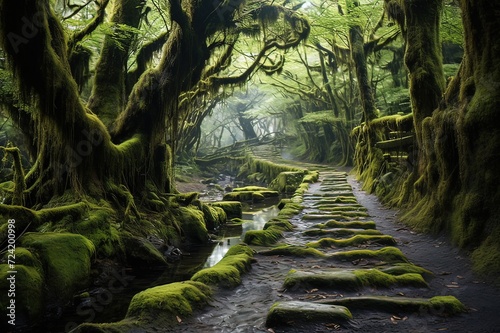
<point x="265" y="237"/>
<point x="340" y="232"/>
<point x="29" y="291"/>
<point x="351" y="224"/>
<point x="66" y="260"/>
<point x="351" y="279"/>
<point x="233" y="209"/>
<point x="353" y="241"/>
<point x="294" y="251"/>
<point x="438" y="305"/>
<point x="227" y="272"/>
<point x="388" y="254"/>
<point x="168" y="301"/>
<point x="192" y="222"/>
<point x="288" y="313"/>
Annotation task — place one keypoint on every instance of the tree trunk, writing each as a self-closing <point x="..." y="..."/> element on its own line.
<point x="108" y="93"/>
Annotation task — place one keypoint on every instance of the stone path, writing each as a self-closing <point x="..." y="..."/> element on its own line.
<point x="336" y="271"/>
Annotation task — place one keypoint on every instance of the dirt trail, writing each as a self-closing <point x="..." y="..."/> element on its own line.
<point x="245" y="308"/>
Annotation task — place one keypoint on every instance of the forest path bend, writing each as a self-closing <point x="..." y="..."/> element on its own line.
<point x="355" y="266"/>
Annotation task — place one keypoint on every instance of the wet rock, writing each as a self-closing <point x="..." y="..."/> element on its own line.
<point x="288" y="313"/>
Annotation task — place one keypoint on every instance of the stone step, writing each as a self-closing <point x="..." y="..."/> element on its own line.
<point x="341" y="232"/>
<point x="352" y="279"/>
<point x="353" y="241"/>
<point x="437" y="305"/>
<point x="290" y="312"/>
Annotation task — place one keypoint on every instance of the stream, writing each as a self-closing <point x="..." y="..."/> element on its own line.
<point x="111" y="304"/>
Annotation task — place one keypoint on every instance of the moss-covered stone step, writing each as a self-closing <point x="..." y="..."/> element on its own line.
<point x="333" y="188"/>
<point x="351" y="279"/>
<point x="338" y="215"/>
<point x="228" y="271"/>
<point x="331" y="203"/>
<point x="240" y="194"/>
<point x="353" y="241"/>
<point x="291" y="312"/>
<point x="340" y="209"/>
<point x="438" y="305"/>
<point x="347" y="224"/>
<point x="340" y="232"/>
<point x="388" y="254"/>
<point x="335" y="199"/>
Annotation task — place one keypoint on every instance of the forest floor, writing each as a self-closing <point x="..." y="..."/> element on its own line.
<point x="244" y="308"/>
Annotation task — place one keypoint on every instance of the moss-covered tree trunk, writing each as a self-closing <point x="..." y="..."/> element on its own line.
<point x="458" y="133"/>
<point x="108" y="94"/>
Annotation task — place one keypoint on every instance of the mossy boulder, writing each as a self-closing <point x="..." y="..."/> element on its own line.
<point x="291" y="312"/>
<point x="28" y="283"/>
<point x="66" y="260"/>
<point x="227" y="272"/>
<point x="233" y="209"/>
<point x="164" y="303"/>
<point x="287" y="182"/>
<point x="250" y="193"/>
<point x="214" y="216"/>
<point x="294" y="251"/>
<point x="192" y="222"/>
<point x="140" y="252"/>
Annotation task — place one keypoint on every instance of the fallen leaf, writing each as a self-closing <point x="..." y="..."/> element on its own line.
<point x="316" y="266"/>
<point x="270" y="330"/>
<point x="312" y="291"/>
<point x="179" y="320"/>
<point x="452" y="286"/>
<point x="333" y="325"/>
<point x="401" y="294"/>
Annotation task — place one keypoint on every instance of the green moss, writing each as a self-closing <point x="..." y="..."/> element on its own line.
<point x="338" y="199"/>
<point x="29" y="289"/>
<point x="227" y="272"/>
<point x="250" y="189"/>
<point x="351" y="224"/>
<point x="141" y="253"/>
<point x="233" y="209"/>
<point x="438" y="305"/>
<point x="279" y="223"/>
<point x="192" y="222"/>
<point x="214" y="216"/>
<point x="168" y="301"/>
<point x="66" y="260"/>
<point x="353" y="241"/>
<point x="351" y="279"/>
<point x="287" y="181"/>
<point x="331" y="208"/>
<point x="101" y="230"/>
<point x="294" y="251"/>
<point x="340" y="232"/>
<point x="403" y="268"/>
<point x="388" y="254"/>
<point x="265" y="237"/>
<point x="291" y="312"/>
